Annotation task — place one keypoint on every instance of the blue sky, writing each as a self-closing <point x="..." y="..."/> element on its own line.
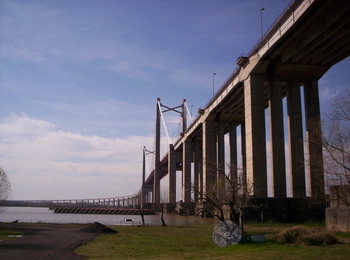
<point x="79" y="82"/>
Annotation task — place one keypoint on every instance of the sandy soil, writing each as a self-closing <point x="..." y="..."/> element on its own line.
<point x="44" y="241"/>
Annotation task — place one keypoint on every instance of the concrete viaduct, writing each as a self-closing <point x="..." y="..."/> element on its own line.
<point x="308" y="38"/>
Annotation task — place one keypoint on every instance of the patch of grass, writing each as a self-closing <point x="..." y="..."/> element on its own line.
<point x="6" y="234"/>
<point x="343" y="235"/>
<point x="196" y="242"/>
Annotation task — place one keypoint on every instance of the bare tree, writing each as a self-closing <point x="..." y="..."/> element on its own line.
<point x="142" y="214"/>
<point x="229" y="193"/>
<point x="336" y="147"/>
<point x="5" y="185"/>
<point x="161" y="207"/>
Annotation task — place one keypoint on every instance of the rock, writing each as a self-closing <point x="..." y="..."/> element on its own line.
<point x="97" y="227"/>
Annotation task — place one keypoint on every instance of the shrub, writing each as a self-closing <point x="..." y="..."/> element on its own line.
<point x="292" y="235"/>
<point x="320" y="238"/>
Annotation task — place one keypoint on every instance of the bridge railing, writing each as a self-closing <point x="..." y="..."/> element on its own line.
<point x="293" y="4"/>
<point x="274" y="27"/>
<point x="130" y="201"/>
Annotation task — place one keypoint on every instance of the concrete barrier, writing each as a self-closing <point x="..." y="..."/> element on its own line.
<point x="338" y="219"/>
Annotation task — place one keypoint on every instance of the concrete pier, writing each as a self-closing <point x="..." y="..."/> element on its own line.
<point x="254" y="108"/>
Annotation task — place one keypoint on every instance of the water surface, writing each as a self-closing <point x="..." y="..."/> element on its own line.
<point x="44" y="215"/>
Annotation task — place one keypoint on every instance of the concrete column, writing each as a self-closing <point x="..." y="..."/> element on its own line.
<point x="172" y="174"/>
<point x="198" y="173"/>
<point x="186" y="171"/>
<point x="221" y="157"/>
<point x="156" y="182"/>
<point x="184" y="116"/>
<point x="296" y="142"/>
<point x="314" y="139"/>
<point x="277" y="140"/>
<point x="143" y="195"/>
<point x="209" y="156"/>
<point x="233" y="148"/>
<point x="244" y="159"/>
<point x="255" y="135"/>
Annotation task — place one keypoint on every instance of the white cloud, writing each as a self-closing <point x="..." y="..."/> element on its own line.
<point x="19" y="127"/>
<point x="37" y="156"/>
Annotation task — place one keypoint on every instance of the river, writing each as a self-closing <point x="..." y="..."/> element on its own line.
<point x="44" y="215"/>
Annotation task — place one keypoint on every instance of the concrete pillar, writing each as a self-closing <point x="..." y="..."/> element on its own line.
<point x="233" y="148"/>
<point x="244" y="159"/>
<point x="314" y="139"/>
<point x="172" y="174"/>
<point x="198" y="173"/>
<point x="209" y="156"/>
<point x="277" y="140"/>
<point x="186" y="171"/>
<point x="156" y="182"/>
<point x="184" y="117"/>
<point x="296" y="141"/>
<point x="143" y="195"/>
<point x="255" y="135"/>
<point x="221" y="157"/>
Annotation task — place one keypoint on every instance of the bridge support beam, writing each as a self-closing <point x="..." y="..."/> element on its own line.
<point x="172" y="174"/>
<point x="277" y="140"/>
<point x="143" y="191"/>
<point x="255" y="135"/>
<point x="209" y="155"/>
<point x="314" y="139"/>
<point x="156" y="183"/>
<point x="186" y="171"/>
<point x="244" y="158"/>
<point x="198" y="173"/>
<point x="233" y="149"/>
<point x="221" y="157"/>
<point x="296" y="141"/>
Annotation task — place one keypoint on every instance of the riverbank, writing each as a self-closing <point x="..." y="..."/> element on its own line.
<point x="58" y="241"/>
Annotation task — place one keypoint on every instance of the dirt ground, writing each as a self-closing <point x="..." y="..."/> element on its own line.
<point x="44" y="241"/>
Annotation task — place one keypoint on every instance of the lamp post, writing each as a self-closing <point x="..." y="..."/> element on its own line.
<point x="261" y="21"/>
<point x="213" y="83"/>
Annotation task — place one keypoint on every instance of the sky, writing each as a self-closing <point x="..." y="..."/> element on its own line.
<point x="79" y="82"/>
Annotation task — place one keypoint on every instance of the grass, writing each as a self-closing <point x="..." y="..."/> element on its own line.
<point x="8" y="235"/>
<point x="195" y="242"/>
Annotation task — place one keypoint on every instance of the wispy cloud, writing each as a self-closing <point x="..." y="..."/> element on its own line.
<point x="114" y="43"/>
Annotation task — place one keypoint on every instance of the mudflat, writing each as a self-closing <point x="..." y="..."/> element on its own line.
<point x="44" y="241"/>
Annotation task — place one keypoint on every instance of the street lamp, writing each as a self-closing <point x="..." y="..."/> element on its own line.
<point x="261" y="21"/>
<point x="213" y="83"/>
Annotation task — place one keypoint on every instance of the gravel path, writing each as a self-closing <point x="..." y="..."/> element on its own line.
<point x="44" y="241"/>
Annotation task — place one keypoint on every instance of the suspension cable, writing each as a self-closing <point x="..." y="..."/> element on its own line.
<point x="163" y="121"/>
<point x="188" y="112"/>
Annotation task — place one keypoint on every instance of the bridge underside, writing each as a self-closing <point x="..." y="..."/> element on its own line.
<point x="277" y="82"/>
